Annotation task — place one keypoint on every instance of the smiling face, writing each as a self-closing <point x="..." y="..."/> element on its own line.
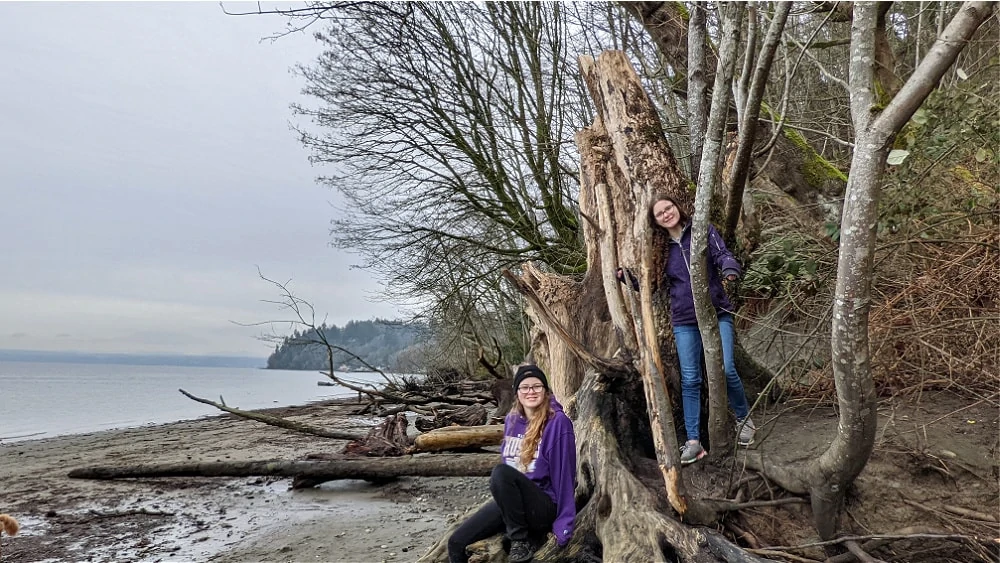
<point x="666" y="214"/>
<point x="531" y="393"/>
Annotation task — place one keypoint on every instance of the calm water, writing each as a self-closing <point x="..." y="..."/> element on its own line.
<point x="40" y="400"/>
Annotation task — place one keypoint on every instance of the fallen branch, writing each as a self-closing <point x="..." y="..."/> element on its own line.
<point x="861" y="554"/>
<point x="871" y="545"/>
<point x="136" y="512"/>
<point x="882" y="537"/>
<point x="372" y="468"/>
<point x="279" y="422"/>
<point x="969" y="513"/>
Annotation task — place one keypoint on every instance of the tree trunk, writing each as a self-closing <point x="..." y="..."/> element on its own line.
<point x="719" y="433"/>
<point x="748" y="121"/>
<point x="369" y="468"/>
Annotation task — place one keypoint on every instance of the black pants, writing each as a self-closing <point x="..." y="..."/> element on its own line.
<point x="519" y="507"/>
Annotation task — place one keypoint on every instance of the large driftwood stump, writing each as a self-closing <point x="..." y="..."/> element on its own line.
<point x="387" y="439"/>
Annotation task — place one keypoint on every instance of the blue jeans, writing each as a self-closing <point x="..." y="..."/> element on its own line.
<point x="689" y="351"/>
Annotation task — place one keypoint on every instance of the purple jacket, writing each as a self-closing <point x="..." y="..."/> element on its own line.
<point x="554" y="466"/>
<point x="721" y="263"/>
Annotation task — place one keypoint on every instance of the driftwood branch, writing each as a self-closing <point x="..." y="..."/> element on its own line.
<point x="373" y="468"/>
<point x="278" y="421"/>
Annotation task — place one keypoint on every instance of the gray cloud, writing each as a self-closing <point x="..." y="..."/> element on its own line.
<point x="148" y="169"/>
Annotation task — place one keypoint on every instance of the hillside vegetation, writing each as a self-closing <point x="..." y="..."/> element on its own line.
<point x="383" y="344"/>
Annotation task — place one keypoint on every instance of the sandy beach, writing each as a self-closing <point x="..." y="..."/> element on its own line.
<point x="230" y="520"/>
<point x="217" y="519"/>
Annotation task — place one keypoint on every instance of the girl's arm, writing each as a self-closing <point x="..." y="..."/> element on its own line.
<point x="724" y="260"/>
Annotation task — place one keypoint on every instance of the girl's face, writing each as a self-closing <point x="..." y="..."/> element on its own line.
<point x="531" y="393"/>
<point x="666" y="214"/>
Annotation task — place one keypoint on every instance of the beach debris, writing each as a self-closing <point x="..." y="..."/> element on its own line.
<point x="366" y="468"/>
<point x="277" y="421"/>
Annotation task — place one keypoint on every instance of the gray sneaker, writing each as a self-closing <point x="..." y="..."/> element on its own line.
<point x="692" y="452"/>
<point x="747" y="431"/>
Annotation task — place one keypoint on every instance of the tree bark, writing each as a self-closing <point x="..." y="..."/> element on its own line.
<point x="748" y="121"/>
<point x="719" y="433"/>
<point x="697" y="85"/>
<point x="371" y="468"/>
<point x="623" y="183"/>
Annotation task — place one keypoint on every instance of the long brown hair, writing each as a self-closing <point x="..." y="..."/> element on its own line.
<point x="661" y="238"/>
<point x="536" y="425"/>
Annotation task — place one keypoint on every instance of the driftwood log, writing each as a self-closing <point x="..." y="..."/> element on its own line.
<point x="277" y="421"/>
<point x="469" y="415"/>
<point x="438" y="465"/>
<point x="457" y="437"/>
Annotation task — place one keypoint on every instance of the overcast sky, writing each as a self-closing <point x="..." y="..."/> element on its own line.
<point x="147" y="167"/>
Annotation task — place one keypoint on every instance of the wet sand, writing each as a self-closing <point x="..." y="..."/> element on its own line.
<point x="217" y="519"/>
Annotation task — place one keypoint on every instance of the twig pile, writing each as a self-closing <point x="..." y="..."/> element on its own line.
<point x="935" y="321"/>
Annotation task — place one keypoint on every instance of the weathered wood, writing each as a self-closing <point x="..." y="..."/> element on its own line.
<point x="453" y="437"/>
<point x="628" y="120"/>
<point x="370" y="468"/>
<point x="277" y="421"/>
<point x="469" y="415"/>
<point x="387" y="439"/>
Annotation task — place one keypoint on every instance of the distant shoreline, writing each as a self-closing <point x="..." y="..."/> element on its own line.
<point x="70" y="357"/>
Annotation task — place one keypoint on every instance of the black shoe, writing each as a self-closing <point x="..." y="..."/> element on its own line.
<point x="521" y="551"/>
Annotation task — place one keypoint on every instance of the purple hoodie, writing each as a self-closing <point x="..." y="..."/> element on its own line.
<point x="678" y="273"/>
<point x="554" y="466"/>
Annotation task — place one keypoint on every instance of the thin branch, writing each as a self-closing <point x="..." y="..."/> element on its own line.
<point x="277" y="421"/>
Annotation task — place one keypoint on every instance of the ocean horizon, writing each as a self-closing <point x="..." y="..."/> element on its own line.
<point x="45" y="399"/>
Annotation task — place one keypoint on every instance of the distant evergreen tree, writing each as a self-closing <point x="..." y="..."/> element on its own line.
<point x="379" y="342"/>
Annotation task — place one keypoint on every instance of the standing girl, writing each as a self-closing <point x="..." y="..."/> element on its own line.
<point x="533" y="489"/>
<point x="721" y="264"/>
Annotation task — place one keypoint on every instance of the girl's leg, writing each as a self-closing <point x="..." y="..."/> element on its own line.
<point x="486" y="522"/>
<point x="524" y="505"/>
<point x="688" y="341"/>
<point x="734" y="386"/>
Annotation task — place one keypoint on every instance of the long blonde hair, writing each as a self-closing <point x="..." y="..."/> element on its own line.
<point x="536" y="425"/>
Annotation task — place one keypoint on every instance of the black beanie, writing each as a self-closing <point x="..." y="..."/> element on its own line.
<point x="530" y="370"/>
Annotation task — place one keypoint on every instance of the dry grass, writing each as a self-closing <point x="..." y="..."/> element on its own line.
<point x="935" y="319"/>
<point x="935" y="316"/>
